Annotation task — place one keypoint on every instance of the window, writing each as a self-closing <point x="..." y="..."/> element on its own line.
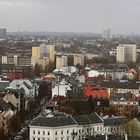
<point x="56" y="139"/>
<point x="67" y="131"/>
<point x="38" y="131"/>
<point x="67" y="138"/>
<point x="100" y="127"/>
<point x="33" y="138"/>
<point x="38" y="138"/>
<point x="33" y="131"/>
<point x="43" y="138"/>
<point x="61" y="138"/>
<point x="79" y="130"/>
<point x="43" y="132"/>
<point x="55" y="132"/>
<point x="93" y="129"/>
<point x="48" y="132"/>
<point x="61" y="132"/>
<point x="97" y="128"/>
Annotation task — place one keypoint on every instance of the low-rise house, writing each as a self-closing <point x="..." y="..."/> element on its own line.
<point x="61" y="89"/>
<point x="4" y="84"/>
<point x="53" y="128"/>
<point x="24" y="84"/>
<point x="112" y="124"/>
<point x="96" y="91"/>
<point x="16" y="97"/>
<point x="89" y="125"/>
<point x="7" y="110"/>
<point x="65" y="127"/>
<point x="122" y="86"/>
<point x="124" y="107"/>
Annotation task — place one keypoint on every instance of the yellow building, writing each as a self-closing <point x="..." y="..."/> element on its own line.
<point x="51" y="53"/>
<point x="43" y="51"/>
<point x="36" y="53"/>
<point x="43" y="62"/>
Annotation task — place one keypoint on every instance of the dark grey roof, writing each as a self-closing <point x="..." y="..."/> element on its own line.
<point x="4" y="85"/>
<point x="67" y="120"/>
<point x="88" y="119"/>
<point x="28" y="86"/>
<point x="114" y="120"/>
<point x="126" y="96"/>
<point x="21" y="90"/>
<point x="13" y="108"/>
<point x="122" y="85"/>
<point x="53" y="121"/>
<point x="4" y="106"/>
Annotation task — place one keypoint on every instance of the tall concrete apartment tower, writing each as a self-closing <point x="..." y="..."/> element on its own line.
<point x="126" y="53"/>
<point x="36" y="53"/>
<point x="79" y="59"/>
<point x="47" y="51"/>
<point x="2" y="32"/>
<point x="107" y="34"/>
<point x="43" y="53"/>
<point x="61" y="61"/>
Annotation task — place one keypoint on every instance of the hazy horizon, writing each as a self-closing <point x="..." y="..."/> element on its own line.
<point x="79" y="16"/>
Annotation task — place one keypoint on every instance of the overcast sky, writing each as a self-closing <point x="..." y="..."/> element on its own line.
<point x="122" y="16"/>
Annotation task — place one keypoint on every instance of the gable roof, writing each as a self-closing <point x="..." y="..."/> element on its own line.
<point x="28" y="86"/>
<point x="4" y="106"/>
<point x="19" y="82"/>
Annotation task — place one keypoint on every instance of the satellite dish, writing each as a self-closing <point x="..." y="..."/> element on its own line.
<point x="72" y="69"/>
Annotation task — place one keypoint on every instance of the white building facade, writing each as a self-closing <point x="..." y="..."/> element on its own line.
<point x="126" y="53"/>
<point x="66" y="127"/>
<point x="61" y="61"/>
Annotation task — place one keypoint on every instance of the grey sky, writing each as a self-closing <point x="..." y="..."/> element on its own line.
<point x="122" y="16"/>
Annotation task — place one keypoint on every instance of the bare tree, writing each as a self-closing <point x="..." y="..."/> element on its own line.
<point x="131" y="128"/>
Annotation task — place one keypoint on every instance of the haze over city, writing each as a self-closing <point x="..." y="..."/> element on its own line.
<point x="71" y="15"/>
<point x="69" y="70"/>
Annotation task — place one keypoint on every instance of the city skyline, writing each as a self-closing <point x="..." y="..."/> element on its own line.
<point x="71" y="16"/>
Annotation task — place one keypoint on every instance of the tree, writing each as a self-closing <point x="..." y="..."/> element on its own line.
<point x="2" y="134"/>
<point x="31" y="106"/>
<point x="131" y="128"/>
<point x="46" y="69"/>
<point x="90" y="102"/>
<point x="37" y="69"/>
<point x="45" y="90"/>
<point x="28" y="72"/>
<point x="14" y="123"/>
<point x="51" y="66"/>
